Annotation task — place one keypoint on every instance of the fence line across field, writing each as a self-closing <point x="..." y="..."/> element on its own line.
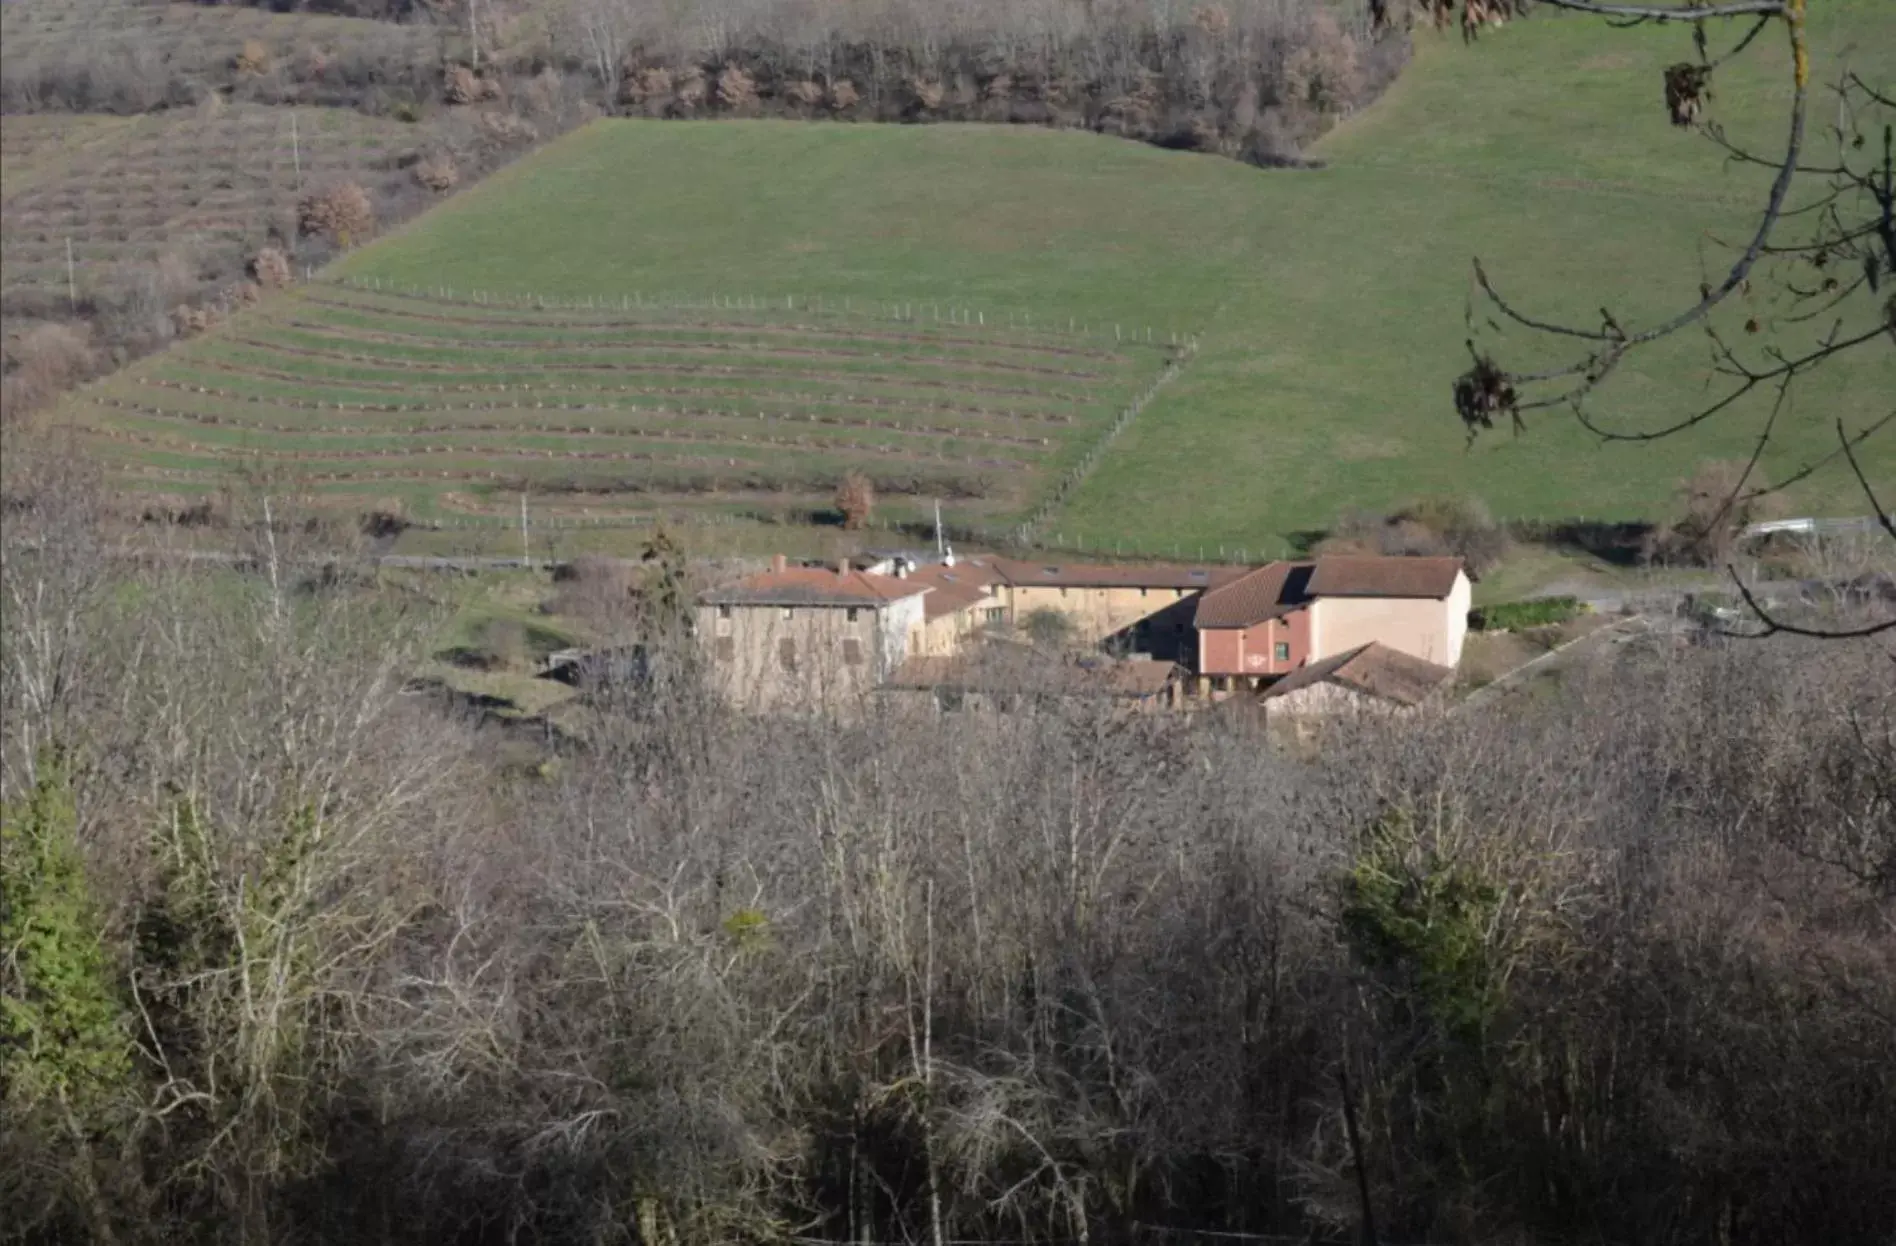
<point x="1168" y="1232"/>
<point x="899" y="311"/>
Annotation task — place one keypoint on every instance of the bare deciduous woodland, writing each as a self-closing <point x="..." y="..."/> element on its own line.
<point x="292" y="955"/>
<point x="295" y="951"/>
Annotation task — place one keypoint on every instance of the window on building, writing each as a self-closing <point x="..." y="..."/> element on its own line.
<point x="787" y="653"/>
<point x="724" y="612"/>
<point x="997" y="615"/>
<point x="852" y="651"/>
<point x="787" y="612"/>
<point x="1142" y="592"/>
<point x="1282" y="651"/>
<point x="1063" y="592"/>
<point x="727" y="648"/>
<point x="949" y="699"/>
<point x="852" y="614"/>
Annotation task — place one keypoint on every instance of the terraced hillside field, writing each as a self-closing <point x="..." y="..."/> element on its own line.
<point x="165" y="34"/>
<point x="129" y="189"/>
<point x="1328" y="307"/>
<point x="139" y="129"/>
<point x="1329" y="303"/>
<point x="449" y="407"/>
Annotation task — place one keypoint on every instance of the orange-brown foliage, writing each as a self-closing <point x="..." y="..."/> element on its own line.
<point x="343" y="214"/>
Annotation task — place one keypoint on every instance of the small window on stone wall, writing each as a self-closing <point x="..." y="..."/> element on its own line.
<point x="852" y="651"/>
<point x="1283" y="651"/>
<point x="727" y="648"/>
<point x="787" y="653"/>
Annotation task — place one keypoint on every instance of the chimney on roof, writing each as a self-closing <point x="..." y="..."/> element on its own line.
<point x="779" y="564"/>
<point x="842" y="566"/>
<point x="901" y="567"/>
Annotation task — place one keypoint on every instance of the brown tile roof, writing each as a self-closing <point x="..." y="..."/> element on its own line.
<point x="965" y="570"/>
<point x="1374" y="576"/>
<point x="952" y="588"/>
<point x="1265" y="593"/>
<point x="812" y="586"/>
<point x="952" y="598"/>
<point x="1056" y="573"/>
<point x="1136" y="678"/>
<point x="1373" y="670"/>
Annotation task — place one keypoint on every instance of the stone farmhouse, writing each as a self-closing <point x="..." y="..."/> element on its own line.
<point x="808" y="636"/>
<point x="1370" y="678"/>
<point x="803" y="635"/>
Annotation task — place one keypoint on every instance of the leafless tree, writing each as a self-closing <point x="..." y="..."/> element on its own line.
<point x="1609" y="962"/>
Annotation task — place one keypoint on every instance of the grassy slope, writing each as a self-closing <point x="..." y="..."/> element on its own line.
<point x="1545" y="151"/>
<point x="1330" y="302"/>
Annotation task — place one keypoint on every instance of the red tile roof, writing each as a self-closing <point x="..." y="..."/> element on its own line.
<point x="1374" y="670"/>
<point x="1266" y="593"/>
<point x="1056" y="573"/>
<point x="1373" y="576"/>
<point x="813" y="586"/>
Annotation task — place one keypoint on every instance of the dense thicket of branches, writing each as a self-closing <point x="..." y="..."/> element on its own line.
<point x="1248" y="78"/>
<point x="1243" y="77"/>
<point x="1615" y="965"/>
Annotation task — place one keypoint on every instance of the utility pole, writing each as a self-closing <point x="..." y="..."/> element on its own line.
<point x="940" y="546"/>
<point x="296" y="153"/>
<point x="526" y="556"/>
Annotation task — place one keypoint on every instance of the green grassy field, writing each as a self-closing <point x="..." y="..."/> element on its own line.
<point x="1328" y="303"/>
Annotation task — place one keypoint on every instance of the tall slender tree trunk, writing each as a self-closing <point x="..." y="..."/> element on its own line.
<point x="98" y="1216"/>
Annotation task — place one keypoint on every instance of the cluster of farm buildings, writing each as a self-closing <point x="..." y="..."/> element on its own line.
<point x="1298" y="635"/>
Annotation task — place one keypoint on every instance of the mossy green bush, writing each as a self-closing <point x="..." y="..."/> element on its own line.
<point x="1515" y="616"/>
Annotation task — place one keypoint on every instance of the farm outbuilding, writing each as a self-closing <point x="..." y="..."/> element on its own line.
<point x="1372" y="678"/>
